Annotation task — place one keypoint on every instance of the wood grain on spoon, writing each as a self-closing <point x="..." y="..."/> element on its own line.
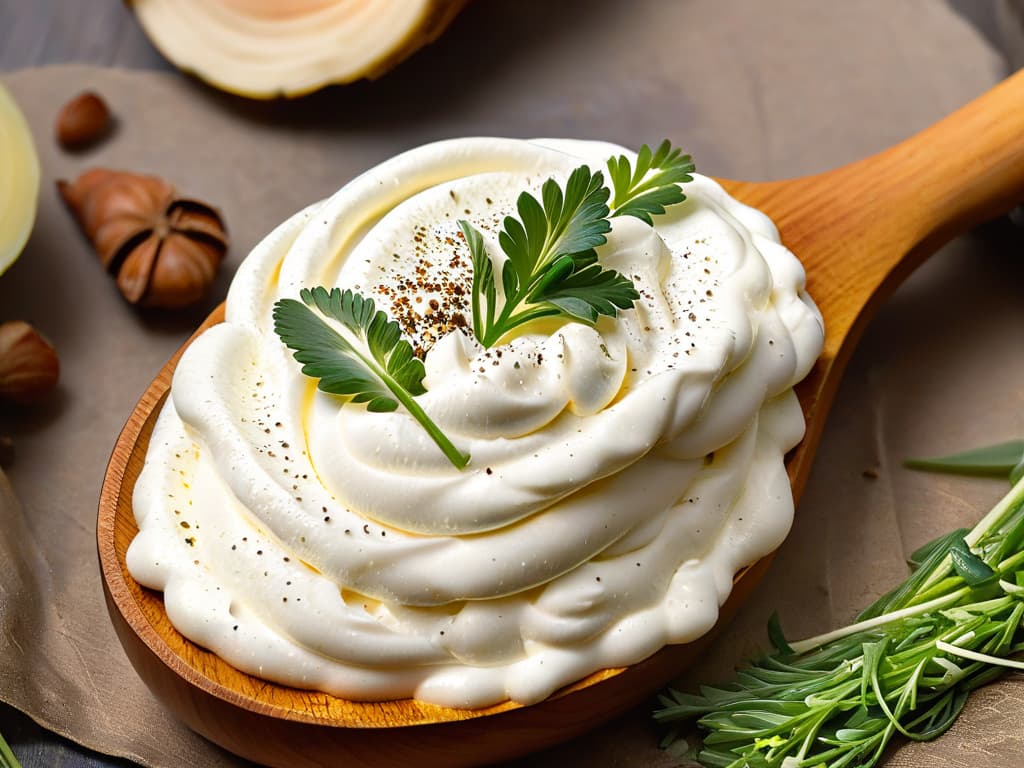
<point x="859" y="230"/>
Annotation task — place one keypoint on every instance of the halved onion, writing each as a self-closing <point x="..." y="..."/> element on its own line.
<point x="268" y="48"/>
<point x="19" y="181"/>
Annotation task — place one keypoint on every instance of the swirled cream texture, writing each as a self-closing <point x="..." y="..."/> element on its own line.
<point x="621" y="474"/>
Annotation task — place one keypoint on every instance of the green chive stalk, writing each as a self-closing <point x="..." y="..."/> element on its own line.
<point x="7" y="758"/>
<point x="906" y="666"/>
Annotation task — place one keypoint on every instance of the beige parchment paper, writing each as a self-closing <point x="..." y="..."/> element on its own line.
<point x="753" y="90"/>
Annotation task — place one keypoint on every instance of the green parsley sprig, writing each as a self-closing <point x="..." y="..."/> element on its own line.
<point x="906" y="666"/>
<point x="654" y="185"/>
<point x="551" y="267"/>
<point x="363" y="356"/>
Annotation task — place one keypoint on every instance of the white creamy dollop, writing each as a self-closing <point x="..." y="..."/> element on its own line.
<point x="620" y="474"/>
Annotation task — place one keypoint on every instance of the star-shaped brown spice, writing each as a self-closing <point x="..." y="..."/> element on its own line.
<point x="163" y="250"/>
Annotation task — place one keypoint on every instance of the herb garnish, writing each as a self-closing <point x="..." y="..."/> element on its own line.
<point x="364" y="357"/>
<point x="551" y="268"/>
<point x="640" y="195"/>
<point x="906" y="666"/>
<point x="7" y="758"/>
<point x="997" y="460"/>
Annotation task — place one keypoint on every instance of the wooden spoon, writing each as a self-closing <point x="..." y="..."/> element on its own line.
<point x="859" y="230"/>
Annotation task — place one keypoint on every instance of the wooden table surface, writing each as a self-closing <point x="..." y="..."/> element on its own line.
<point x="41" y="32"/>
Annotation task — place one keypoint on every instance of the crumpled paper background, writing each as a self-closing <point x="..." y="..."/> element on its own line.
<point x="752" y="91"/>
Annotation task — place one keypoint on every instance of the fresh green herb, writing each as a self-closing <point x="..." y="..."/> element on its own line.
<point x="906" y="666"/>
<point x="776" y="636"/>
<point x="363" y="356"/>
<point x="551" y="267"/>
<point x="993" y="460"/>
<point x="550" y="270"/>
<point x="7" y="758"/>
<point x="654" y="185"/>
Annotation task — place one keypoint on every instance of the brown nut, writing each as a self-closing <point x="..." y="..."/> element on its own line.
<point x="29" y="367"/>
<point x="163" y="250"/>
<point x="83" y="121"/>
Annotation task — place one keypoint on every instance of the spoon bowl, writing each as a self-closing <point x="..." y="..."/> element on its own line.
<point x="859" y="230"/>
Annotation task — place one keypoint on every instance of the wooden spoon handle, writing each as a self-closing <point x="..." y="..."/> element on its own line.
<point x="959" y="172"/>
<point x="861" y="228"/>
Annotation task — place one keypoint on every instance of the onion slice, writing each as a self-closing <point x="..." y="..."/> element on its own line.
<point x="269" y="48"/>
<point x="19" y="181"/>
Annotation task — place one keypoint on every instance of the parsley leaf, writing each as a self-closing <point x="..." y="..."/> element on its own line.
<point x="586" y="293"/>
<point x="484" y="292"/>
<point x="365" y="358"/>
<point x="654" y="185"/>
<point x="551" y="270"/>
<point x="569" y="224"/>
<point x="551" y="267"/>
